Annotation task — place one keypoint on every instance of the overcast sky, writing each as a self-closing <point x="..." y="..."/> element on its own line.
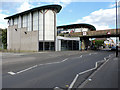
<point x="99" y="14"/>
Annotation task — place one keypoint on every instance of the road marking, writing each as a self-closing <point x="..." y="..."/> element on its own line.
<point x="27" y="69"/>
<point x="73" y="82"/>
<point x="90" y="79"/>
<point x="57" y="88"/>
<point x="90" y="53"/>
<point x="81" y="56"/>
<point x="64" y="60"/>
<point x="11" y="73"/>
<point x="104" y="58"/>
<point x="96" y="65"/>
<point x="86" y="81"/>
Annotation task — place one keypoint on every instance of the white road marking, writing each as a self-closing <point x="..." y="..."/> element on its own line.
<point x="83" y="84"/>
<point x="104" y="58"/>
<point x="90" y="79"/>
<point x="81" y="56"/>
<point x="90" y="54"/>
<point x="64" y="60"/>
<point x="11" y="73"/>
<point x="77" y="75"/>
<point x="86" y="71"/>
<point x="27" y="69"/>
<point x="73" y="82"/>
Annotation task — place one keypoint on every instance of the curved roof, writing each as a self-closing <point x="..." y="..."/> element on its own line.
<point x="55" y="6"/>
<point x="77" y="26"/>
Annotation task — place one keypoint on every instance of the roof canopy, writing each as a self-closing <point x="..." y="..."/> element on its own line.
<point x="77" y="26"/>
<point x="56" y="7"/>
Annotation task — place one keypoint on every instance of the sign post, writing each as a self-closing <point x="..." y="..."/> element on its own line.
<point x="116" y="32"/>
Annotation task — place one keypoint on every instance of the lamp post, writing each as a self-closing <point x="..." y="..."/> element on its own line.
<point x="116" y="32"/>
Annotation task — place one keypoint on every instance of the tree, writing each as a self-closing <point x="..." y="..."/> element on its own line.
<point x="4" y="38"/>
<point x="98" y="43"/>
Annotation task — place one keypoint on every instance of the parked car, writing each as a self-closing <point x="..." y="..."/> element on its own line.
<point x="65" y="32"/>
<point x="113" y="48"/>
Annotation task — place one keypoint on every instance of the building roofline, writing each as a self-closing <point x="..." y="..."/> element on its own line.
<point x="55" y="6"/>
<point x="77" y="26"/>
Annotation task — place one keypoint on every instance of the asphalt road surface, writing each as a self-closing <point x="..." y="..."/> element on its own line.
<point x="47" y="70"/>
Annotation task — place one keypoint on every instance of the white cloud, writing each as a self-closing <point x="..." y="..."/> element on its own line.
<point x="112" y="5"/>
<point x="63" y="3"/>
<point x="3" y="23"/>
<point x="101" y="19"/>
<point x="0" y="11"/>
<point x="24" y="6"/>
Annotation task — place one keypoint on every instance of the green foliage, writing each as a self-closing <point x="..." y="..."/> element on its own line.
<point x="98" y="43"/>
<point x="4" y="38"/>
<point x="61" y="34"/>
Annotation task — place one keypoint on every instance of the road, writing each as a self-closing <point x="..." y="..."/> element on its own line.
<point x="47" y="70"/>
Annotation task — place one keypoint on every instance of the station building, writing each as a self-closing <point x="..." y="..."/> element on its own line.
<point x="36" y="30"/>
<point x="72" y="43"/>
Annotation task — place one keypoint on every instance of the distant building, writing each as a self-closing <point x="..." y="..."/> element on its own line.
<point x="82" y="27"/>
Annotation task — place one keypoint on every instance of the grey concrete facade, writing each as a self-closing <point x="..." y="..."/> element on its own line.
<point x="21" y="39"/>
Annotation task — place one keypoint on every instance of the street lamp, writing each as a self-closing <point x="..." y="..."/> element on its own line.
<point x="116" y="32"/>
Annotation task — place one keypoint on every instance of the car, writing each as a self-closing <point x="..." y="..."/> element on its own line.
<point x="113" y="48"/>
<point x="65" y="32"/>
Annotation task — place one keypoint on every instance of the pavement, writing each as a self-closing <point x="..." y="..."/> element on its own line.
<point x="47" y="70"/>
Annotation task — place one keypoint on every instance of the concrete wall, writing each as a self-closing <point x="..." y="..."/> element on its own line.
<point x="18" y="40"/>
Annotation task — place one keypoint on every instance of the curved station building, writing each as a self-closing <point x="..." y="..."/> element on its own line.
<point x="72" y="43"/>
<point x="35" y="30"/>
<point x="75" y="28"/>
